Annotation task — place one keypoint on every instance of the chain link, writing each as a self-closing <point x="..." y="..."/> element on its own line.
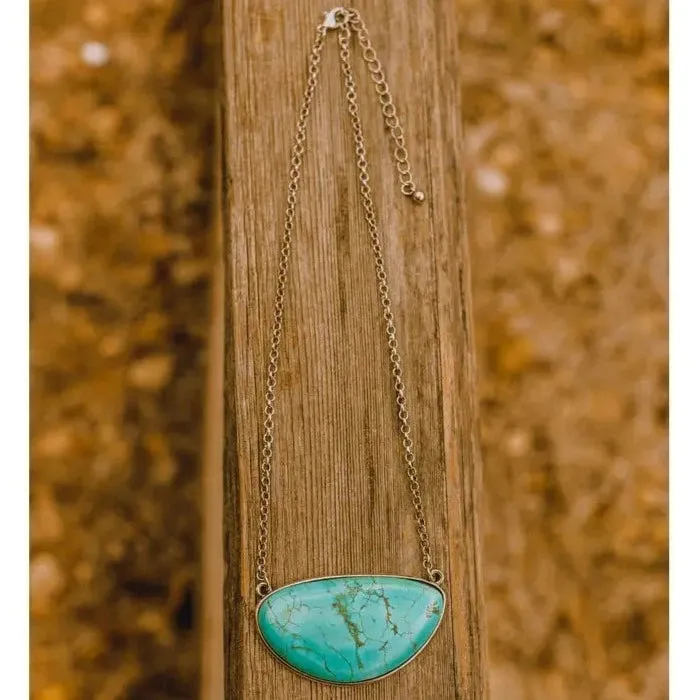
<point x="263" y="586"/>
<point x="386" y="102"/>
<point x="346" y="21"/>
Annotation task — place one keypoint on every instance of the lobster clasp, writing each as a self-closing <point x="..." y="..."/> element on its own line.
<point x="335" y="18"/>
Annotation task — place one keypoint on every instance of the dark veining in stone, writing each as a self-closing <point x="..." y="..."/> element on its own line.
<point x="353" y="628"/>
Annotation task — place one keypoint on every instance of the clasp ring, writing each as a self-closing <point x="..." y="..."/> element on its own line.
<point x="335" y="18"/>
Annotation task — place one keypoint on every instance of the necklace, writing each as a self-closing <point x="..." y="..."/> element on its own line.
<point x="360" y="628"/>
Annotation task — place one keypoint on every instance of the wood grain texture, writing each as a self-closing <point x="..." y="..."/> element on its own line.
<point x="212" y="650"/>
<point x="340" y="495"/>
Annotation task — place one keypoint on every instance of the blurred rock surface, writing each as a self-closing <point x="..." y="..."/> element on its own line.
<point x="565" y="109"/>
<point x="122" y="161"/>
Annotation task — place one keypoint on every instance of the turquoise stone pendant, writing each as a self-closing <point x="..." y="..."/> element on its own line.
<point x="350" y="629"/>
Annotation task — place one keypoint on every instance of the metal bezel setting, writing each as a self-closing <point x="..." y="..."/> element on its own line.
<point x="326" y="578"/>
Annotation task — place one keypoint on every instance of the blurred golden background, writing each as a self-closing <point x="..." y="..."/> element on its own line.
<point x="564" y="105"/>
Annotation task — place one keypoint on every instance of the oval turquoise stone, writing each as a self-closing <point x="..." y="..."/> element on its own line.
<point x="350" y="629"/>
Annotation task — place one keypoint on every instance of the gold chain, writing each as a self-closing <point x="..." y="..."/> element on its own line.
<point x="345" y="21"/>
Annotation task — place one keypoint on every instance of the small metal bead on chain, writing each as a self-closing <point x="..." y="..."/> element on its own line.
<point x="346" y="21"/>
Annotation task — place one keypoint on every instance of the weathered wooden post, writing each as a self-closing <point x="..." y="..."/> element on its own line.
<point x="341" y="502"/>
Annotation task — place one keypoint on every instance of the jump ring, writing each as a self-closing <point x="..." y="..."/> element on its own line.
<point x="263" y="589"/>
<point x="436" y="576"/>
